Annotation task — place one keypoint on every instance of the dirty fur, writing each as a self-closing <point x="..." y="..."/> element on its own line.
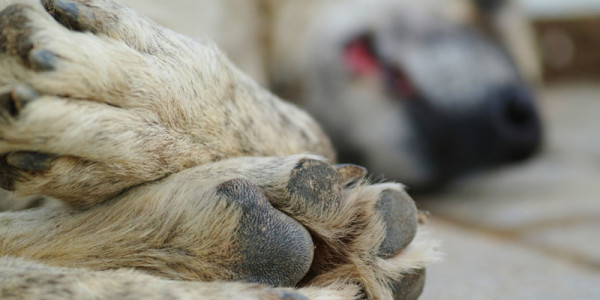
<point x="137" y="131"/>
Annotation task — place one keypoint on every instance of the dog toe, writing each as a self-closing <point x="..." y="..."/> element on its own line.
<point x="72" y="15"/>
<point x="15" y="100"/>
<point x="276" y="249"/>
<point x="316" y="182"/>
<point x="399" y="214"/>
<point x="410" y="286"/>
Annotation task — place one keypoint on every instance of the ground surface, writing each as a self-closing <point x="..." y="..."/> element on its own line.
<point x="529" y="231"/>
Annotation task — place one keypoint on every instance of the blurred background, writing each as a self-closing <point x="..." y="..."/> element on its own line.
<point x="531" y="231"/>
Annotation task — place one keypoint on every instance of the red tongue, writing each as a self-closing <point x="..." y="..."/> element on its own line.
<point x="359" y="59"/>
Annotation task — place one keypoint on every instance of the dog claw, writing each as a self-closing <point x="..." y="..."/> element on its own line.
<point x="286" y="295"/>
<point x="349" y="172"/>
<point x="42" y="60"/>
<point x="23" y="95"/>
<point x="72" y="15"/>
<point x="15" y="100"/>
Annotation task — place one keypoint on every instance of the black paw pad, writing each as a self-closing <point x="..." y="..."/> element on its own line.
<point x="410" y="286"/>
<point x="72" y="15"/>
<point x="15" y="31"/>
<point x="276" y="249"/>
<point x="399" y="213"/>
<point x="316" y="182"/>
<point x="30" y="161"/>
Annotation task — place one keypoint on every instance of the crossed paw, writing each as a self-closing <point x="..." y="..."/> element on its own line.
<point x="108" y="112"/>
<point x="114" y="100"/>
<point x="303" y="222"/>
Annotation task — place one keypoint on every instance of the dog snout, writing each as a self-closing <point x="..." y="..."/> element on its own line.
<point x="515" y="122"/>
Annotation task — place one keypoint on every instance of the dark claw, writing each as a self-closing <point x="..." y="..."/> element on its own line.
<point x="349" y="172"/>
<point x="17" y="99"/>
<point x="287" y="295"/>
<point x="399" y="213"/>
<point x="30" y="161"/>
<point x="42" y="60"/>
<point x="72" y="15"/>
<point x="410" y="286"/>
<point x="23" y="95"/>
<point x="276" y="249"/>
<point x="7" y="104"/>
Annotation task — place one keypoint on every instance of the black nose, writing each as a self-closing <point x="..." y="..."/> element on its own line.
<point x="515" y="122"/>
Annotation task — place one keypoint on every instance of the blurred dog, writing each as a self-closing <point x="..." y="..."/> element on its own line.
<point x="421" y="91"/>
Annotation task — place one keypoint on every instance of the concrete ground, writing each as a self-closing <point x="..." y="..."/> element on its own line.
<point x="528" y="231"/>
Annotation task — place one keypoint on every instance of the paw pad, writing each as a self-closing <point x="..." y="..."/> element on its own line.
<point x="410" y="286"/>
<point x="276" y="249"/>
<point x="316" y="182"/>
<point x="399" y="214"/>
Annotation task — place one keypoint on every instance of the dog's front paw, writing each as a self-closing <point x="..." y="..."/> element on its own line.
<point x="71" y="123"/>
<point x="364" y="234"/>
<point x="94" y="100"/>
<point x="114" y="100"/>
<point x="79" y="151"/>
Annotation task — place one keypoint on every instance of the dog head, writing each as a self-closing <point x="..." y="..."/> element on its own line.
<point x="422" y="91"/>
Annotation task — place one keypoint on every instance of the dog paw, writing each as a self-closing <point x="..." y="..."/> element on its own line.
<point x="362" y="232"/>
<point x="399" y="214"/>
<point x="275" y="249"/>
<point x="79" y="151"/>
<point x="119" y="101"/>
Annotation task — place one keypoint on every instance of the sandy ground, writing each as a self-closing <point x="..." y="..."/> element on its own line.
<point x="528" y="231"/>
